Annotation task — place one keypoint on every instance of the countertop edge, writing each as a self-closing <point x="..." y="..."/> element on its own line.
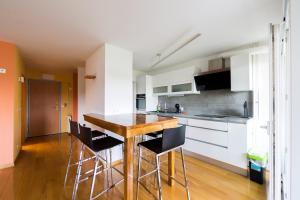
<point x="229" y="119"/>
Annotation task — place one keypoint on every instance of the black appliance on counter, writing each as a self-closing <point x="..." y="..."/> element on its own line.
<point x="213" y="81"/>
<point x="178" y="108"/>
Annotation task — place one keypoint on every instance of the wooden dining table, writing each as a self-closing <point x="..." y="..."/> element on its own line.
<point x="128" y="126"/>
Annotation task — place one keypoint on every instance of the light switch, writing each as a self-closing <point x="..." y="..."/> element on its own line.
<point x="2" y="70"/>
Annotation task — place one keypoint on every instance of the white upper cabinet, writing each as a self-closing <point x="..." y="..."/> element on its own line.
<point x="141" y="85"/>
<point x="241" y="73"/>
<point x="180" y="81"/>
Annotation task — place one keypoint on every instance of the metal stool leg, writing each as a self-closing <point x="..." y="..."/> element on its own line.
<point x="158" y="178"/>
<point x="184" y="173"/>
<point x="75" y="188"/>
<point x="69" y="162"/>
<point x="110" y="165"/>
<point x="106" y="164"/>
<point x="139" y="172"/>
<point x="94" y="178"/>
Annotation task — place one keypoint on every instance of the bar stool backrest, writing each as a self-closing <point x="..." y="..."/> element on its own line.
<point x="74" y="128"/>
<point x="86" y="135"/>
<point x="173" y="137"/>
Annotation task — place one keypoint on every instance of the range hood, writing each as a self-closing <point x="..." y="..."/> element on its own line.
<point x="214" y="80"/>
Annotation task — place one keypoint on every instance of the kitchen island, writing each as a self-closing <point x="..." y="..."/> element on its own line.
<point x="128" y="126"/>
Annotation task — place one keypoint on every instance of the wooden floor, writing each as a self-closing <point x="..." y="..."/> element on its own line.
<point x="40" y="169"/>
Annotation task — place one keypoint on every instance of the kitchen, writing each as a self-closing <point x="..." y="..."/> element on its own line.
<point x="215" y="100"/>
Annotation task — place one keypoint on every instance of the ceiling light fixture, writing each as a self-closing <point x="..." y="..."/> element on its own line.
<point x="174" y="48"/>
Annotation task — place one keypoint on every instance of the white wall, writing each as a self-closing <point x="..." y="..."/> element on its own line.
<point x="81" y="94"/>
<point x="95" y="88"/>
<point x="137" y="73"/>
<point x="118" y="80"/>
<point x="295" y="99"/>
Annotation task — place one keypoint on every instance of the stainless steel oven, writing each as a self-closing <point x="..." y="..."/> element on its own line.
<point x="140" y="101"/>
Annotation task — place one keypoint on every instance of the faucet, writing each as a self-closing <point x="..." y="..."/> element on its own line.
<point x="165" y="107"/>
<point x="246" y="112"/>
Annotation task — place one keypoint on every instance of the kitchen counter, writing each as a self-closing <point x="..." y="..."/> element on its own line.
<point x="228" y="119"/>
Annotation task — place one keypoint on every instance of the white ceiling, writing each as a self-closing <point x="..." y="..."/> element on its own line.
<point x="61" y="34"/>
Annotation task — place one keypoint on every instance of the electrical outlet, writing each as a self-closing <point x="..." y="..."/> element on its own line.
<point x="2" y="70"/>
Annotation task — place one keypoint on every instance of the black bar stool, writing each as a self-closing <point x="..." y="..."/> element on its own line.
<point x="74" y="133"/>
<point x="171" y="139"/>
<point x="96" y="147"/>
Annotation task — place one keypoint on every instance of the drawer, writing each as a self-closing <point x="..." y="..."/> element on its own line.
<point x="222" y="126"/>
<point x="213" y="137"/>
<point x="211" y="151"/>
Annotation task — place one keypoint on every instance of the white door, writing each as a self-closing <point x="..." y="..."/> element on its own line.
<point x="261" y="95"/>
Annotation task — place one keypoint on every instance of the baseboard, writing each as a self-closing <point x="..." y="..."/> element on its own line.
<point x="17" y="154"/>
<point x="218" y="163"/>
<point x="6" y="165"/>
<point x="232" y="168"/>
<point x="50" y="134"/>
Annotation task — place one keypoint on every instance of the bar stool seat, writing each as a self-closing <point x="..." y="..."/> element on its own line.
<point x="104" y="143"/>
<point x="154" y="145"/>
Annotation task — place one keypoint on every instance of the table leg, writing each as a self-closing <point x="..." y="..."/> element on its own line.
<point x="128" y="168"/>
<point x="171" y="167"/>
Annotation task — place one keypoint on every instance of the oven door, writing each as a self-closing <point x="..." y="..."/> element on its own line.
<point x="140" y="102"/>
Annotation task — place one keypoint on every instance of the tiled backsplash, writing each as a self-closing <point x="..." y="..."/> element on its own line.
<point x="223" y="102"/>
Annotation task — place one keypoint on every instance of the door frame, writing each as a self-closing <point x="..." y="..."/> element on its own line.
<point x="280" y="124"/>
<point x="28" y="104"/>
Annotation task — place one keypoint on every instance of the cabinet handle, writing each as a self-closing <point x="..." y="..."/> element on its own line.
<point x="264" y="127"/>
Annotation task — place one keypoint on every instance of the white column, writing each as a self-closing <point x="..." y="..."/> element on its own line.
<point x="111" y="92"/>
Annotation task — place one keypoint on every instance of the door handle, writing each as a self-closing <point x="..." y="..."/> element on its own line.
<point x="264" y="127"/>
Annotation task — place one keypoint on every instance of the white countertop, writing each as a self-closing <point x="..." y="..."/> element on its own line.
<point x="228" y="119"/>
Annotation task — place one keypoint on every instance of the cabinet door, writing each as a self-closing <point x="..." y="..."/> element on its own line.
<point x="141" y="85"/>
<point x="183" y="87"/>
<point x="160" y="90"/>
<point x="241" y="73"/>
<point x="238" y="144"/>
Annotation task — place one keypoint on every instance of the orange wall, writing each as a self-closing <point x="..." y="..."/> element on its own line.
<point x="8" y="61"/>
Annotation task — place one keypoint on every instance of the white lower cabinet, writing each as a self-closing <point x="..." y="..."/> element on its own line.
<point x="209" y="136"/>
<point x="222" y="141"/>
<point x="205" y="149"/>
<point x="237" y="151"/>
